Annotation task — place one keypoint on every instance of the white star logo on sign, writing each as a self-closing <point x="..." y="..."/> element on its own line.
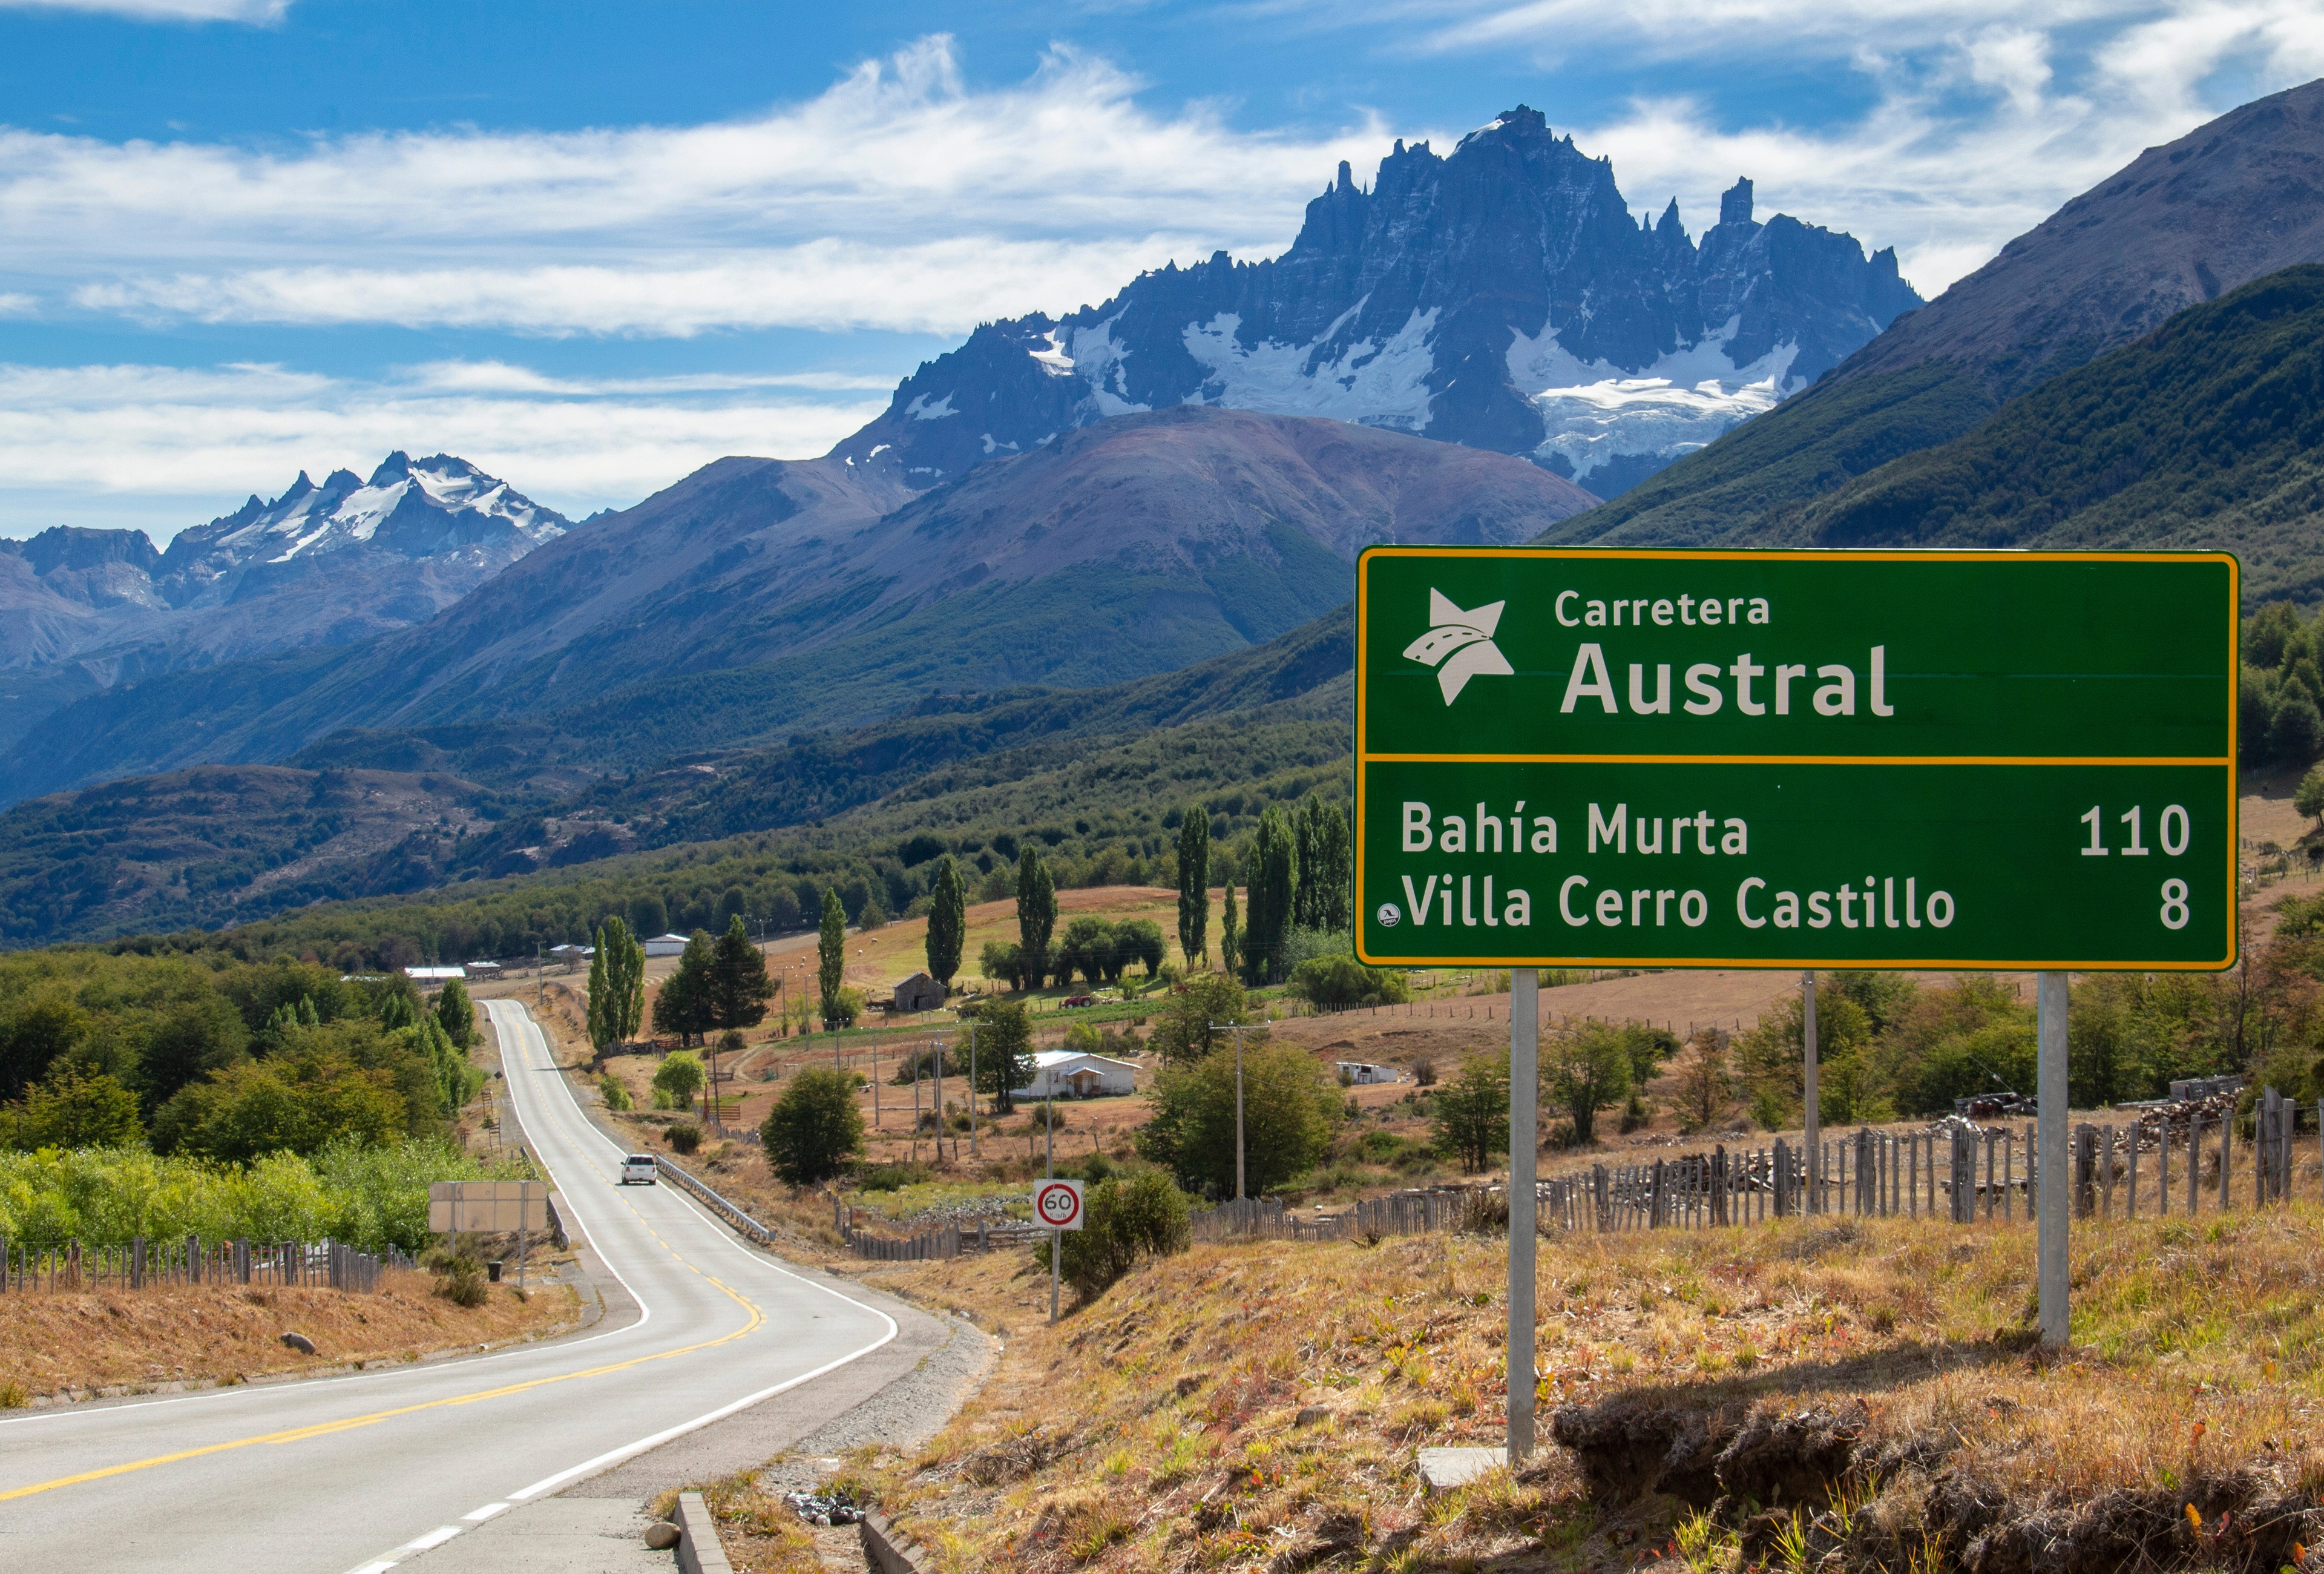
<point x="1461" y="646"/>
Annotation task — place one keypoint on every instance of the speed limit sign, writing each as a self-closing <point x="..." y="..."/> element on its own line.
<point x="1058" y="1204"/>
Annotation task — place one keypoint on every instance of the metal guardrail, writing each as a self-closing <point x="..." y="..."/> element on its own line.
<point x="743" y="1223"/>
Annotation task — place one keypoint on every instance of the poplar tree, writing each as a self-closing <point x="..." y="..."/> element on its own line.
<point x="617" y="986"/>
<point x="601" y="999"/>
<point x="1229" y="934"/>
<point x="1036" y="915"/>
<point x="1274" y="878"/>
<point x="831" y="956"/>
<point x="947" y="922"/>
<point x="1194" y="884"/>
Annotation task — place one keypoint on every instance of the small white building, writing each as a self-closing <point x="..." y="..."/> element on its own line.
<point x="1363" y="1073"/>
<point x="434" y="978"/>
<point x="667" y="945"/>
<point x="1076" y="1074"/>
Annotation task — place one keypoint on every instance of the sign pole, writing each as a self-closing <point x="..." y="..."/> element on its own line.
<point x="2050" y="1172"/>
<point x="1815" y="1106"/>
<point x="1524" y="985"/>
<point x="1056" y="1237"/>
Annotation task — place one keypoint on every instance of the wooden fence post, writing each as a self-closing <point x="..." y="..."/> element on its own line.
<point x="2086" y="1162"/>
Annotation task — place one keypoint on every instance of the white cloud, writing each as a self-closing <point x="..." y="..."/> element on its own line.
<point x="251" y="10"/>
<point x="897" y="198"/>
<point x="137" y="434"/>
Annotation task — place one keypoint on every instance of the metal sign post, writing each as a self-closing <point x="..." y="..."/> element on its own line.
<point x="1958" y="760"/>
<point x="1525" y="1078"/>
<point x="1236" y="1028"/>
<point x="1814" y="1099"/>
<point x="1059" y="1204"/>
<point x="2050" y="1160"/>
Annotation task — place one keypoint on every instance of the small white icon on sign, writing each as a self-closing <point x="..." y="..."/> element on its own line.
<point x="1387" y="914"/>
<point x="1462" y="642"/>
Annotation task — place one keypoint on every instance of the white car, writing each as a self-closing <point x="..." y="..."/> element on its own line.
<point x="638" y="1167"/>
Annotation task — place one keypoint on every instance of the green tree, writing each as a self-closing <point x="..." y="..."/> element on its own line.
<point x="1003" y="960"/>
<point x="1290" y="1112"/>
<point x="815" y="1128"/>
<point x="2309" y="796"/>
<point x="617" y="985"/>
<point x="831" y="956"/>
<point x="1584" y="1069"/>
<point x="298" y="1103"/>
<point x="1230" y="933"/>
<point x="34" y="1035"/>
<point x="648" y="917"/>
<point x="458" y="1013"/>
<point x="1186" y="1034"/>
<point x="1321" y="832"/>
<point x="1089" y="947"/>
<point x="1471" y="1117"/>
<point x="1139" y="939"/>
<point x="1341" y="981"/>
<point x="687" y="998"/>
<point x="70" y="1110"/>
<point x="679" y="1078"/>
<point x="1274" y="879"/>
<point x="601" y="1000"/>
<point x="1036" y="915"/>
<point x="1004" y="1051"/>
<point x="1194" y="884"/>
<point x="739" y="986"/>
<point x="947" y="922"/>
<point x="1125" y="1218"/>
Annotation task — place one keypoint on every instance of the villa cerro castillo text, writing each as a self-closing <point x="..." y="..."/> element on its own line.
<point x="1815" y="758"/>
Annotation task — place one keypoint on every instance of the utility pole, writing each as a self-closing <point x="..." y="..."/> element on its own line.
<point x="940" y="1107"/>
<point x="972" y="1148"/>
<point x="1815" y="1107"/>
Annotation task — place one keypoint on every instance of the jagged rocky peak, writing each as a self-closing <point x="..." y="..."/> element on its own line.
<point x="438" y="508"/>
<point x="1500" y="296"/>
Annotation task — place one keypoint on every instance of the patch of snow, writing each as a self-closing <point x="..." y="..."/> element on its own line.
<point x="1098" y="359"/>
<point x="1595" y="413"/>
<point x="878" y="449"/>
<point x="919" y="408"/>
<point x="1377" y="385"/>
<point x="1054" y="360"/>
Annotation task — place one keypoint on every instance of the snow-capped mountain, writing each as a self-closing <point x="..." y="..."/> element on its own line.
<point x="442" y="509"/>
<point x="1500" y="297"/>
<point x="83" y="609"/>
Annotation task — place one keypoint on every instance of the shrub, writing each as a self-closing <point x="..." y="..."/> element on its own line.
<point x="680" y="1076"/>
<point x="1128" y="1218"/>
<point x="615" y="1092"/>
<point x="1291" y="1111"/>
<point x="1472" y="1114"/>
<point x="685" y="1137"/>
<point x="815" y="1128"/>
<point x="894" y="1177"/>
<point x="1424" y="1072"/>
<point x="464" y="1284"/>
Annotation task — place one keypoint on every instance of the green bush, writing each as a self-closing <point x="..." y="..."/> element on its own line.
<point x="1291" y="1113"/>
<point x="679" y="1078"/>
<point x="815" y="1129"/>
<point x="1128" y="1218"/>
<point x="894" y="1177"/>
<point x="683" y="1137"/>
<point x="1343" y="981"/>
<point x="615" y="1092"/>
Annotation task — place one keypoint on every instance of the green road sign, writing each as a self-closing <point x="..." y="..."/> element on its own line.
<point x="1812" y="759"/>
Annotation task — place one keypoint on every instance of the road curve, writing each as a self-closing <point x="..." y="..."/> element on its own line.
<point x="365" y="1471"/>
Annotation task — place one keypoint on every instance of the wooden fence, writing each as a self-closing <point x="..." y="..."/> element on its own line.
<point x="141" y="1263"/>
<point x="1958" y="1172"/>
<point x="931" y="1242"/>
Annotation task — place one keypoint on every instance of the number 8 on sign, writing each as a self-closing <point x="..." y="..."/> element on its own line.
<point x="1058" y="1204"/>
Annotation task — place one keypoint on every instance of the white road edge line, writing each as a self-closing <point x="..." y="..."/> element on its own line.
<point x="379" y="1568"/>
<point x="255" y="1392"/>
<point x="486" y="1512"/>
<point x="435" y="1538"/>
<point x="629" y="1450"/>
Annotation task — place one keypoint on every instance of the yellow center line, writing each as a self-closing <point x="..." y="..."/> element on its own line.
<point x="325" y="1428"/>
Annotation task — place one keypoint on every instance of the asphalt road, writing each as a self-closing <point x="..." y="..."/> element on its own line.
<point x="366" y="1471"/>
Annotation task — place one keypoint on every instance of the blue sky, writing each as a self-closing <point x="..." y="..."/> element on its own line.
<point x="591" y="245"/>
